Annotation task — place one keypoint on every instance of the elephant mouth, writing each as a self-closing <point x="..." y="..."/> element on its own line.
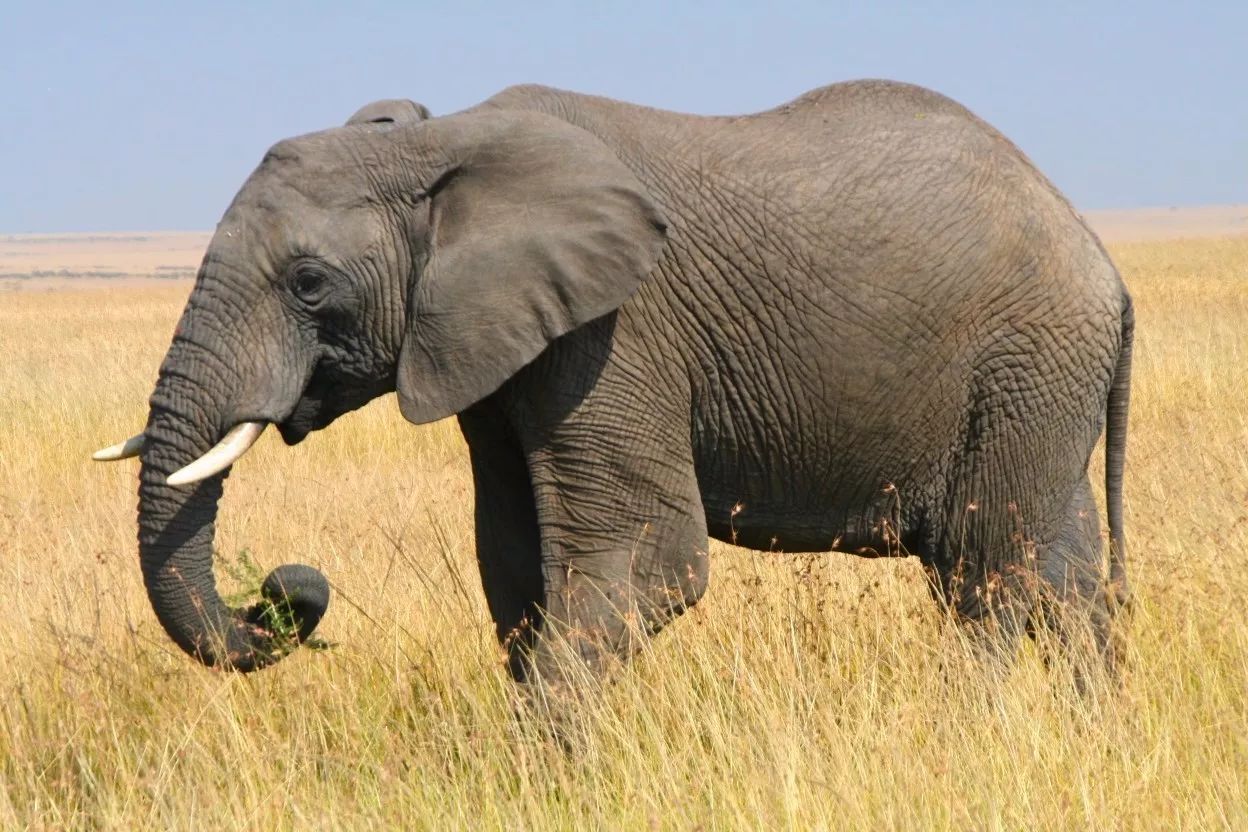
<point x="293" y="433"/>
<point x="329" y="394"/>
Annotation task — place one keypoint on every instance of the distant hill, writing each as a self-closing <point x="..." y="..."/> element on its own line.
<point x="57" y="259"/>
<point x="1169" y="223"/>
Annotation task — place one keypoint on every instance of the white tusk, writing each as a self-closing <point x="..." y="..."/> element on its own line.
<point x="122" y="450"/>
<point x="224" y="454"/>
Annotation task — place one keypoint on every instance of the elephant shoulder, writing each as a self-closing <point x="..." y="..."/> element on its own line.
<point x="598" y="114"/>
<point x="527" y="97"/>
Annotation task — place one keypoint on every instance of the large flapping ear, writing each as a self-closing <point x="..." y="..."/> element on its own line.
<point x="536" y="228"/>
<point x="396" y="110"/>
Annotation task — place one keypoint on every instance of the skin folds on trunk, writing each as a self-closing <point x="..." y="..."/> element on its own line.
<point x="176" y="529"/>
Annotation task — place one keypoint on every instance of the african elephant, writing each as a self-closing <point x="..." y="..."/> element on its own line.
<point x="859" y="322"/>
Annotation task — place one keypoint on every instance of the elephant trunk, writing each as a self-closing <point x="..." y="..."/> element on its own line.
<point x="176" y="528"/>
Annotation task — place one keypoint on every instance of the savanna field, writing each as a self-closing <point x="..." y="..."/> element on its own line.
<point x="804" y="692"/>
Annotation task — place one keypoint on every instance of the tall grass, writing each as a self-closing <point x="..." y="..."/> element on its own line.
<point x="803" y="692"/>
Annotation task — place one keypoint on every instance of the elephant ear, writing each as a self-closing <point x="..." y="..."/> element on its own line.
<point x="387" y="110"/>
<point x="535" y="228"/>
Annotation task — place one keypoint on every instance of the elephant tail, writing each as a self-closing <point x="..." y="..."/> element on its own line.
<point x="1116" y="451"/>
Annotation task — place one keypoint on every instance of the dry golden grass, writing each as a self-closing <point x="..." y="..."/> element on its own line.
<point x="802" y="693"/>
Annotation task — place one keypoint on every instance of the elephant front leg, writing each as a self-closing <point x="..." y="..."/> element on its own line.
<point x="508" y="540"/>
<point x="623" y="542"/>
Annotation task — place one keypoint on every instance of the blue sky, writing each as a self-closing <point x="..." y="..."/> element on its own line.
<point x="129" y="116"/>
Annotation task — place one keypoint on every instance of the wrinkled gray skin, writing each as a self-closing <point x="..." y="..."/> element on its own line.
<point x="859" y="322"/>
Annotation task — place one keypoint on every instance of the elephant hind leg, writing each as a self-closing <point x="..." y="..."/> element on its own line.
<point x="1077" y="606"/>
<point x="1048" y="587"/>
<point x="978" y="570"/>
<point x="991" y="609"/>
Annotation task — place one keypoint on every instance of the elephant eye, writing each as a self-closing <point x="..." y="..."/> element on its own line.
<point x="309" y="283"/>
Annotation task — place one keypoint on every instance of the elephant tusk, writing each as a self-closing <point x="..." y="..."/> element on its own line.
<point x="122" y="450"/>
<point x="224" y="454"/>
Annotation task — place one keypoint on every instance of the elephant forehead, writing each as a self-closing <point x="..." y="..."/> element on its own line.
<point x="319" y="168"/>
<point x="308" y="182"/>
<point x="274" y="224"/>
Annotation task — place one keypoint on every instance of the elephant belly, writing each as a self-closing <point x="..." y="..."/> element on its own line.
<point x="864" y="484"/>
<point x="853" y="518"/>
<point x="767" y="532"/>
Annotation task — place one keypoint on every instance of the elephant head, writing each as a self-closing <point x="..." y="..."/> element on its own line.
<point x="432" y="257"/>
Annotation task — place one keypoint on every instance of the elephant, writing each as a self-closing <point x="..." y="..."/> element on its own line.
<point x="860" y="322"/>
